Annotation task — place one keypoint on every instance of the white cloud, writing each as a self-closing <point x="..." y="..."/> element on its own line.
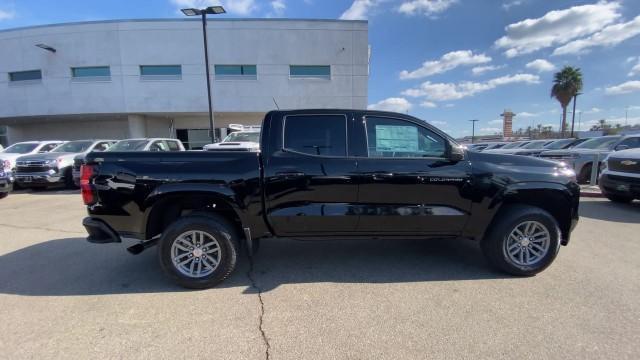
<point x="635" y="70"/>
<point x="557" y="27"/>
<point x="451" y="91"/>
<point x="6" y="15"/>
<point x="624" y="88"/>
<point x="527" y="114"/>
<point x="239" y="7"/>
<point x="609" y="36"/>
<point x="359" y="10"/>
<point x="496" y="122"/>
<point x="428" y="104"/>
<point x="449" y="105"/>
<point x="633" y="58"/>
<point x="425" y="7"/>
<point x="541" y="65"/>
<point x="277" y="8"/>
<point x="479" y="70"/>
<point x="437" y="122"/>
<point x="490" y="130"/>
<point x="448" y="61"/>
<point x="509" y="4"/>
<point x="593" y="110"/>
<point x="395" y="104"/>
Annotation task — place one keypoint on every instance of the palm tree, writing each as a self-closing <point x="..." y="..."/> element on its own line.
<point x="567" y="83"/>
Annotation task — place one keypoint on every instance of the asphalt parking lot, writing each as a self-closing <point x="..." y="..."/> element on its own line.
<point x="61" y="297"/>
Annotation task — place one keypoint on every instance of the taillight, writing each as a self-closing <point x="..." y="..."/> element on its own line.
<point x="86" y="189"/>
<point x="6" y="165"/>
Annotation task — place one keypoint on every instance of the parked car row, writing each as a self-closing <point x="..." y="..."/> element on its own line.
<point x="42" y="164"/>
<point x="579" y="154"/>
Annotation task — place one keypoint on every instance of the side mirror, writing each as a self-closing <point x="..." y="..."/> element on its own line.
<point x="622" y="147"/>
<point x="456" y="153"/>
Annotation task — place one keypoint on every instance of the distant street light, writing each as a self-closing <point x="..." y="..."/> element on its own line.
<point x="213" y="10"/>
<point x="473" y="129"/>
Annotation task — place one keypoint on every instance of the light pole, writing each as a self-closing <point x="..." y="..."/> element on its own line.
<point x="473" y="129"/>
<point x="213" y="10"/>
<point x="573" y="115"/>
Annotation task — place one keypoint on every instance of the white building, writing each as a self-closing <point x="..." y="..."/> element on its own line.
<point x="137" y="78"/>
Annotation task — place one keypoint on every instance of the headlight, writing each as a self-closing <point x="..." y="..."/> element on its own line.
<point x="51" y="162"/>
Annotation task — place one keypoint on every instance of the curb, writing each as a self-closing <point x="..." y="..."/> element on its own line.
<point x="591" y="194"/>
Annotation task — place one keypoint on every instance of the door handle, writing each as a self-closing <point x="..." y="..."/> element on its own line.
<point x="290" y="174"/>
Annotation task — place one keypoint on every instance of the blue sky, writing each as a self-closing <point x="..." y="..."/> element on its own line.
<point x="445" y="61"/>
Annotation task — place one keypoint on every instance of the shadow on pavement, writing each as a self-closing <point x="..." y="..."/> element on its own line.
<point x="67" y="267"/>
<point x="610" y="211"/>
<point x="47" y="191"/>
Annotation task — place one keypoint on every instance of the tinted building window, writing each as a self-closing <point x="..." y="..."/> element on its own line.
<point x="310" y="71"/>
<point x="25" y="75"/>
<point x="92" y="72"/>
<point x="161" y="72"/>
<point x="316" y="134"/>
<point x="401" y="139"/>
<point x="236" y="72"/>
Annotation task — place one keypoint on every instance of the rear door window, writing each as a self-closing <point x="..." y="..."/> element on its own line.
<point x="323" y="135"/>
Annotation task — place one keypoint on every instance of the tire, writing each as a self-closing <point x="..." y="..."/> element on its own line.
<point x="585" y="174"/>
<point x="498" y="243"/>
<point x="619" y="198"/>
<point x="68" y="180"/>
<point x="211" y="232"/>
<point x="3" y="195"/>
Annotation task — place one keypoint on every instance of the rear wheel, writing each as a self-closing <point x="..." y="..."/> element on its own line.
<point x="3" y="195"/>
<point x="585" y="174"/>
<point x="68" y="180"/>
<point x="198" y="252"/>
<point x="524" y="242"/>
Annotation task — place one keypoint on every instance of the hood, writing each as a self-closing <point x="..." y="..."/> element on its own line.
<point x="45" y="156"/>
<point x="576" y="151"/>
<point x="626" y="154"/>
<point x="501" y="151"/>
<point x="516" y="168"/>
<point x="513" y="160"/>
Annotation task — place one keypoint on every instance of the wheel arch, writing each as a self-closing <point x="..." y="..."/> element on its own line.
<point x="554" y="198"/>
<point x="164" y="206"/>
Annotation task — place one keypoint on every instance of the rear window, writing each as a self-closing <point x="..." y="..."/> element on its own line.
<point x="73" y="147"/>
<point x="324" y="135"/>
<point x="129" y="145"/>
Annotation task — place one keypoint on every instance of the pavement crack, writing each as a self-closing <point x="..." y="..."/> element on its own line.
<point x="261" y="317"/>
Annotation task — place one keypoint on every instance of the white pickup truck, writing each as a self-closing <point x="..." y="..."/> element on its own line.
<point x="245" y="138"/>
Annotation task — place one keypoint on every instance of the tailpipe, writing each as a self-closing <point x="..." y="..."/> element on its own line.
<point x="142" y="246"/>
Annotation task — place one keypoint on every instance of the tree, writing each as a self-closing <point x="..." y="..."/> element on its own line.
<point x="567" y="83"/>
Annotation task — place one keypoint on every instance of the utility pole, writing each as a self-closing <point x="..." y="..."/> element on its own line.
<point x="473" y="129"/>
<point x="573" y="115"/>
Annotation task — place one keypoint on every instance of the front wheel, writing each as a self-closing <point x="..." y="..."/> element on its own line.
<point x="523" y="242"/>
<point x="198" y="252"/>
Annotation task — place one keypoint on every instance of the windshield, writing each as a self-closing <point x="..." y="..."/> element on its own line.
<point x="599" y="143"/>
<point x="559" y="144"/>
<point x="495" y="146"/>
<point x="514" y="145"/>
<point x="73" y="147"/>
<point x="243" y="136"/>
<point x="128" y="145"/>
<point x="535" y="145"/>
<point x="21" y="148"/>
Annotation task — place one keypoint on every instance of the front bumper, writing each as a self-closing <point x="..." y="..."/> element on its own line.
<point x="620" y="185"/>
<point x="100" y="232"/>
<point x="40" y="178"/>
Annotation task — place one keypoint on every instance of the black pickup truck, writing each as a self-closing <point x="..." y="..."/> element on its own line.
<point x="324" y="174"/>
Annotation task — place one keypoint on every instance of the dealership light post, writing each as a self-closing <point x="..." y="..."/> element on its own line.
<point x="473" y="130"/>
<point x="213" y="10"/>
